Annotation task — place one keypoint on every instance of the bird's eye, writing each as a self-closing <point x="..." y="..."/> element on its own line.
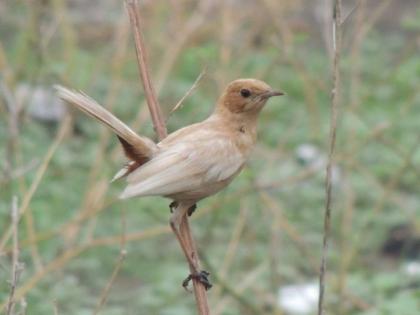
<point x="245" y="92"/>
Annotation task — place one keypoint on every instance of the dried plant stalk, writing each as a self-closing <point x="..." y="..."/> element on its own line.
<point x="160" y="128"/>
<point x="154" y="108"/>
<point x="188" y="93"/>
<point x="333" y="131"/>
<point x="16" y="265"/>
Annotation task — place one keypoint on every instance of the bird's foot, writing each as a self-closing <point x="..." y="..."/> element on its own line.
<point x="201" y="276"/>
<point x="192" y="209"/>
<point x="173" y="206"/>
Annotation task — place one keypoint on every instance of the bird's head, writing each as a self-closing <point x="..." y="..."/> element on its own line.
<point x="247" y="96"/>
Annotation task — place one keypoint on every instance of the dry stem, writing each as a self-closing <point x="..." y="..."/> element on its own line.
<point x="154" y="108"/>
<point x="333" y="131"/>
<point x="188" y="93"/>
<point x="16" y="266"/>
<point x="160" y="128"/>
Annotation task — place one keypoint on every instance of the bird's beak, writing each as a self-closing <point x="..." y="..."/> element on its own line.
<point x="272" y="93"/>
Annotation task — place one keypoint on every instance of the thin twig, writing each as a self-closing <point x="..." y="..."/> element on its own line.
<point x="123" y="253"/>
<point x="16" y="265"/>
<point x="154" y="108"/>
<point x="333" y="132"/>
<point x="350" y="13"/>
<point x="188" y="93"/>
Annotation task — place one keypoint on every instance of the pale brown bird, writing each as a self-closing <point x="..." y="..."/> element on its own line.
<point x="193" y="162"/>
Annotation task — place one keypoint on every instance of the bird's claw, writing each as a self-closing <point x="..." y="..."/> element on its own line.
<point x="191" y="209"/>
<point x="201" y="277"/>
<point x="173" y="206"/>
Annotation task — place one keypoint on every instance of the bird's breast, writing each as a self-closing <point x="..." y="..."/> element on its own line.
<point x="245" y="140"/>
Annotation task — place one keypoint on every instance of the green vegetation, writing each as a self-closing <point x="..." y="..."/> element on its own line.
<point x="271" y="216"/>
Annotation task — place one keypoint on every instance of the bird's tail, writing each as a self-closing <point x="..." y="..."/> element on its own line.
<point x="137" y="148"/>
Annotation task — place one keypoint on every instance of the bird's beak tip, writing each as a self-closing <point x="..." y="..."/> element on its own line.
<point x="274" y="93"/>
<point x="278" y="93"/>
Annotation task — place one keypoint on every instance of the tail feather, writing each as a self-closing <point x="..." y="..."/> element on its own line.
<point x="137" y="148"/>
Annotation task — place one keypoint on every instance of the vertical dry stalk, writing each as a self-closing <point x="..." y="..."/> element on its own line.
<point x="183" y="35"/>
<point x="160" y="128"/>
<point x="333" y="131"/>
<point x="154" y="108"/>
<point x="16" y="266"/>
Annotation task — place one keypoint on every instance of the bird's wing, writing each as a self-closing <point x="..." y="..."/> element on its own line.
<point x="202" y="158"/>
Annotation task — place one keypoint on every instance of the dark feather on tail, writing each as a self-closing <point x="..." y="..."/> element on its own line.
<point x="133" y="154"/>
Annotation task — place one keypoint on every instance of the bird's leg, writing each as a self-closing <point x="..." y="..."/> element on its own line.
<point x="180" y="227"/>
<point x="201" y="276"/>
<point x="175" y="222"/>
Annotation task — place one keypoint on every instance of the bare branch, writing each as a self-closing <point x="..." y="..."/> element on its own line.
<point x="188" y="93"/>
<point x="17" y="267"/>
<point x="333" y="132"/>
<point x="347" y="17"/>
<point x="160" y="128"/>
<point x="154" y="108"/>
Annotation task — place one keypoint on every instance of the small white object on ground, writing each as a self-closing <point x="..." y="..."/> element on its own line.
<point x="299" y="299"/>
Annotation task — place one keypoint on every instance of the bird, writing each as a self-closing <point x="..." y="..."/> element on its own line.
<point x="193" y="162"/>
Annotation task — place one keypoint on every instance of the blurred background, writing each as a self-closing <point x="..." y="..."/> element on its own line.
<point x="261" y="238"/>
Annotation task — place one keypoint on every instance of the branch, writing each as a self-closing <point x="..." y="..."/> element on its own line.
<point x="188" y="93"/>
<point x="17" y="267"/>
<point x="333" y="132"/>
<point x="152" y="103"/>
<point x="160" y="128"/>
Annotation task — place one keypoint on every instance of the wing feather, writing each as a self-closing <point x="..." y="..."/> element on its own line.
<point x="191" y="164"/>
